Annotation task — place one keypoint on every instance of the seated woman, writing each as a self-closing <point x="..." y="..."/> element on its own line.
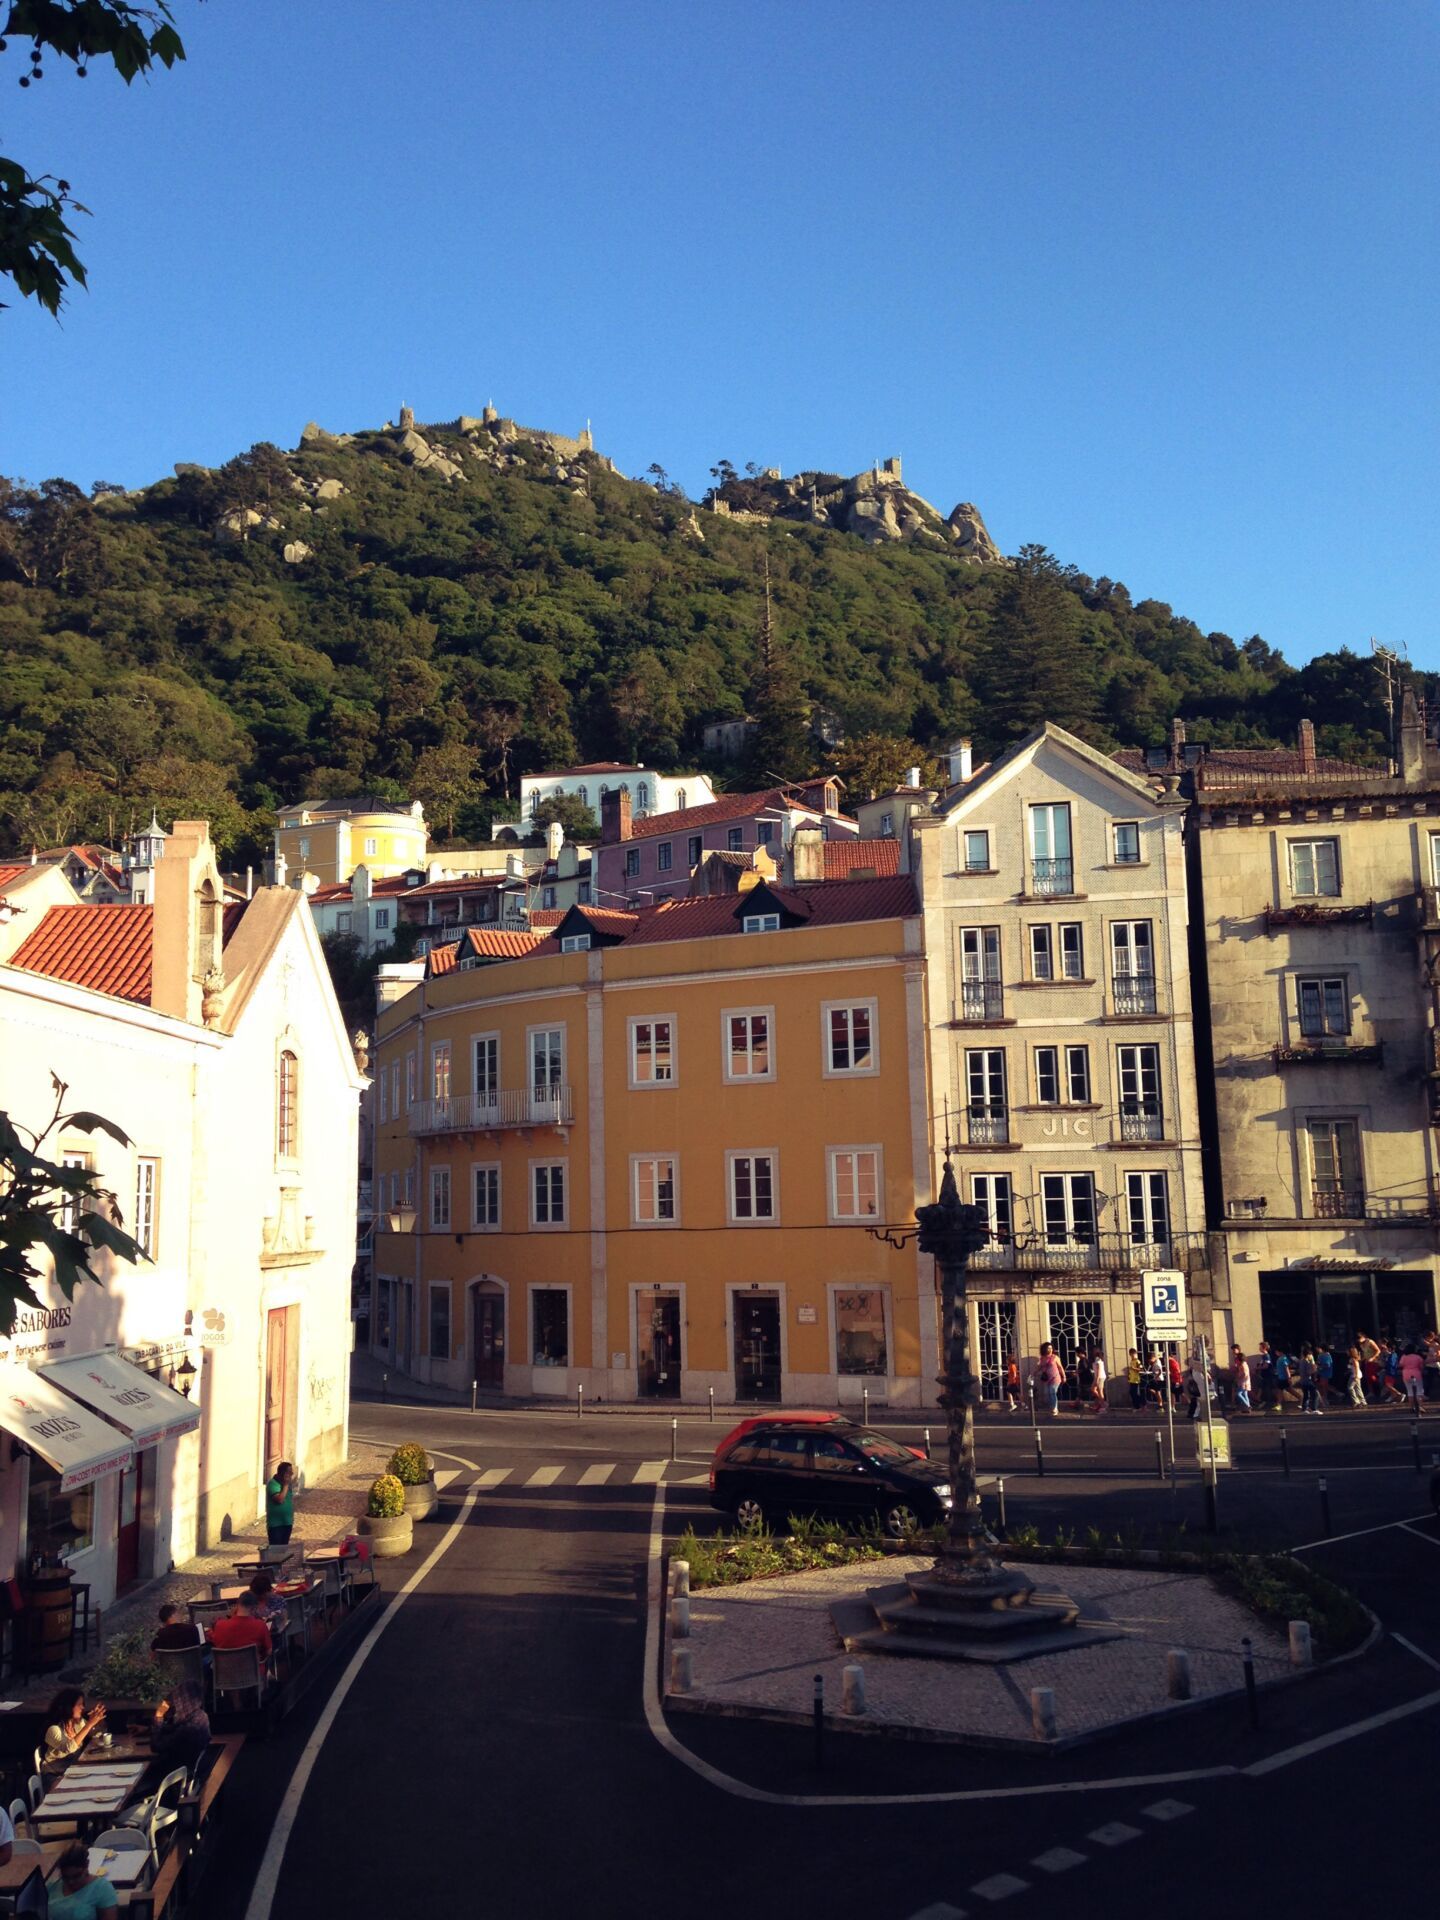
<point x="70" y="1725"/>
<point x="269" y="1607"/>
<point x="180" y="1730"/>
<point x="83" y="1893"/>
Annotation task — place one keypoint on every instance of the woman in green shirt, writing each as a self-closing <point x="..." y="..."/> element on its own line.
<point x="280" y="1505"/>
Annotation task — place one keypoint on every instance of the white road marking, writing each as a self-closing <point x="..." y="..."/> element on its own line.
<point x="941" y="1910"/>
<point x="442" y="1477"/>
<point x="596" y="1476"/>
<point x="999" y="1886"/>
<point x="544" y="1476"/>
<point x="383" y="1440"/>
<point x="1410" y="1527"/>
<point x="1334" y="1539"/>
<point x="1113" y="1834"/>
<point x="692" y="1480"/>
<point x="494" y="1477"/>
<point x="262" y="1896"/>
<point x="649" y="1473"/>
<point x="1419" y="1652"/>
<point x="1058" y="1860"/>
<point x="1167" y="1810"/>
<point x="1336" y="1738"/>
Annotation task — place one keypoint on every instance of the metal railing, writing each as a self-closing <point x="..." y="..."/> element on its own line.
<point x="465" y="1113"/>
<point x="987" y="1126"/>
<point x="1337" y="1203"/>
<point x="1133" y="993"/>
<point x="1052" y="876"/>
<point x="1100" y="1253"/>
<point x="981" y="1000"/>
<point x="1142" y="1121"/>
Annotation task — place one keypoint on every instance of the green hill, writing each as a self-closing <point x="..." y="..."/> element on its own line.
<point x="438" y="635"/>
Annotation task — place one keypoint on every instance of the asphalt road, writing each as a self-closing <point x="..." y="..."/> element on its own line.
<point x="493" y="1756"/>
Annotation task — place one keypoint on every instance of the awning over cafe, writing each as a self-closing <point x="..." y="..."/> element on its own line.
<point x="78" y="1446"/>
<point x="138" y="1404"/>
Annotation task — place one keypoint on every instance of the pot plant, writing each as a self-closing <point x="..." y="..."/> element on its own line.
<point x="415" y="1470"/>
<point x="385" y="1523"/>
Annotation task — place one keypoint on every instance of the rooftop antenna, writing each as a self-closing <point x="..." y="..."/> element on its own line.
<point x="1390" y="664"/>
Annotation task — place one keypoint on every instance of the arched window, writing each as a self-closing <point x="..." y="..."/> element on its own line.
<point x="534" y="803"/>
<point x="680" y="799"/>
<point x="583" y="796"/>
<point x="207" y="945"/>
<point x="287" y="1105"/>
<point x="604" y="789"/>
<point x="642" y="795"/>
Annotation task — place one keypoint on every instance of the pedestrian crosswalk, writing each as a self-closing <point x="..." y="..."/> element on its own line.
<point x="612" y="1473"/>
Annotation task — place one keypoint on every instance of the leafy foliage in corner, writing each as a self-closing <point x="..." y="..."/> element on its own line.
<point x="127" y="1672"/>
<point x="54" y="1210"/>
<point x="410" y="1464"/>
<point x="386" y="1499"/>
<point x="1280" y="1589"/>
<point x="726" y="1559"/>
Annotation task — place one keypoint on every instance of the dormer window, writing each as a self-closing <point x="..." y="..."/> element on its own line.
<point x="761" y="923"/>
<point x="575" y="943"/>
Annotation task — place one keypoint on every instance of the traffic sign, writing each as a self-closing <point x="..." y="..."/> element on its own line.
<point x="1165" y="1314"/>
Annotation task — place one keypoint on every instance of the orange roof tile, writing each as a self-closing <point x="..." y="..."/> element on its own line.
<point x="548" y="916"/>
<point x="844" y="857"/>
<point x="9" y="875"/>
<point x="441" y="959"/>
<point x="730" y="806"/>
<point x="835" y="903"/>
<point x="104" y="948"/>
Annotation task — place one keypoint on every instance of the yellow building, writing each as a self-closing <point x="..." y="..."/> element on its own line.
<point x="647" y="1159"/>
<point x="331" y="838"/>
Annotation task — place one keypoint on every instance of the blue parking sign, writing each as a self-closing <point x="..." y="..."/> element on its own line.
<point x="1164" y="1295"/>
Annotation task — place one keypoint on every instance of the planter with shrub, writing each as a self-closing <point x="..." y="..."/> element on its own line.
<point x="385" y="1523"/>
<point x="415" y="1470"/>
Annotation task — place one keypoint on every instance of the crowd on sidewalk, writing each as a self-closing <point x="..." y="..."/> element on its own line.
<point x="1373" y="1372"/>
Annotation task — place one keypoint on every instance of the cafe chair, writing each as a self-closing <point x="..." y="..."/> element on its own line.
<point x="277" y="1556"/>
<point x="203" y="1610"/>
<point x="20" y="1814"/>
<point x="26" y="1847"/>
<point x="127" y="1840"/>
<point x="175" y="1664"/>
<point x="34" y="1791"/>
<point x="238" y="1670"/>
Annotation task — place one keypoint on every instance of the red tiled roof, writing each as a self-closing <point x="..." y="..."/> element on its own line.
<point x="548" y="916"/>
<point x="843" y="857"/>
<point x="593" y="766"/>
<point x="608" y="919"/>
<point x="502" y="943"/>
<point x="104" y="948"/>
<point x="730" y="806"/>
<point x="9" y="875"/>
<point x="442" y="959"/>
<point x="1258" y="767"/>
<point x="343" y="890"/>
<point x="468" y="884"/>
<point x="834" y="903"/>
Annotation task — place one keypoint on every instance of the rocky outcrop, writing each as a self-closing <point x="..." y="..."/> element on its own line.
<point x="294" y="552"/>
<point x="418" y="452"/>
<point x="876" y="505"/>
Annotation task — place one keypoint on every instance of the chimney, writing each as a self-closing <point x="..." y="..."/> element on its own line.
<point x="185" y="923"/>
<point x="912" y="776"/>
<point x="554" y="839"/>
<point x="807" y="856"/>
<point x="1177" y="741"/>
<point x="1307" y="746"/>
<point x="1412" y="739"/>
<point x="960" y="767"/>
<point x="614" y="816"/>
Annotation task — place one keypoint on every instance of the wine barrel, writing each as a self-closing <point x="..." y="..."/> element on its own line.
<point x="50" y="1604"/>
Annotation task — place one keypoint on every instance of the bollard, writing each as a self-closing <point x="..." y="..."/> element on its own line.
<point x="1159" y="1453"/>
<point x="852" y="1695"/>
<point x="818" y="1720"/>
<point x="1325" y="1504"/>
<point x="712" y="1405"/>
<point x="674" y="1438"/>
<point x="1415" y="1445"/>
<point x="1302" y="1653"/>
<point x="865" y="1406"/>
<point x="680" y="1574"/>
<point x="680" y="1670"/>
<point x="474" y="1389"/>
<point x="1042" y="1712"/>
<point x="216" y="1588"/>
<point x="1000" y="1507"/>
<point x="385" y="1388"/>
<point x="927" y="1443"/>
<point x="1177" y="1674"/>
<point x="1285" y="1451"/>
<point x="680" y="1616"/>
<point x="1252" y="1698"/>
<point x="1212" y="1502"/>
<point x="580" y="1401"/>
<point x="1039" y="1454"/>
<point x="1034" y="1417"/>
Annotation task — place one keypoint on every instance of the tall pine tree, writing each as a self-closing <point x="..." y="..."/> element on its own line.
<point x="780" y="747"/>
<point x="1035" y="664"/>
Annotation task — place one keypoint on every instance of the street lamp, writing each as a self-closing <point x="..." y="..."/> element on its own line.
<point x="400" y="1219"/>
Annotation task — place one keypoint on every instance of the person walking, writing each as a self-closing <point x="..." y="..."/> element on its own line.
<point x="280" y="1504"/>
<point x="1412" y="1378"/>
<point x="1309" y="1381"/>
<point x="1050" y="1374"/>
<point x="1012" y="1385"/>
<point x="1354" y="1378"/>
<point x="1133" y="1382"/>
<point x="1390" y="1393"/>
<point x="1097" y="1383"/>
<point x="1324" y="1377"/>
<point x="1430" y="1353"/>
<point x="1369" y="1354"/>
<point x="1281" y="1370"/>
<point x="1265" y="1371"/>
<point x="1240" y="1373"/>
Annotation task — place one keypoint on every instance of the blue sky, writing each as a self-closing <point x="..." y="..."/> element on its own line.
<point x="1152" y="283"/>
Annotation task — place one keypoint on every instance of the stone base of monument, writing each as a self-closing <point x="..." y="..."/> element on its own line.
<point x="991" y="1617"/>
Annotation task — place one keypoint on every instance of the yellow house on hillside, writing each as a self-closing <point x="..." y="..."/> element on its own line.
<point x="330" y="838"/>
<point x="648" y="1158"/>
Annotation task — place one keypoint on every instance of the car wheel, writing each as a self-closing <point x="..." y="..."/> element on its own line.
<point x="749" y="1514"/>
<point x="901" y="1520"/>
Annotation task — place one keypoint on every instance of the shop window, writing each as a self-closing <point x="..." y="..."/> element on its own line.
<point x="60" y="1524"/>
<point x="860" y="1331"/>
<point x="550" y="1327"/>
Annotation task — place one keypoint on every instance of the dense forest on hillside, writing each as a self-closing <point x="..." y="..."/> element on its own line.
<point x="435" y="637"/>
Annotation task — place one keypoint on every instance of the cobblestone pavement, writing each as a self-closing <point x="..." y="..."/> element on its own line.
<point x="757" y="1647"/>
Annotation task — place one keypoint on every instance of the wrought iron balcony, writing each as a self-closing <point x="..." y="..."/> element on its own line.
<point x="1142" y="1120"/>
<point x="1336" y="1050"/>
<point x="987" y="1126"/>
<point x="1100" y="1253"/>
<point x="1317" y="913"/>
<point x="1052" y="876"/>
<point x="1331" y="1202"/>
<point x="1132" y="993"/>
<point x="469" y="1113"/>
<point x="981" y="1000"/>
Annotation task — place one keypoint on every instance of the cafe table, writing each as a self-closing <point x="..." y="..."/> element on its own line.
<point x="88" y="1799"/>
<point x="20" y="1869"/>
<point x="124" y="1867"/>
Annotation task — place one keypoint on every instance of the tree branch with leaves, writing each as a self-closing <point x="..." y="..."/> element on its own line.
<point x="59" y="1213"/>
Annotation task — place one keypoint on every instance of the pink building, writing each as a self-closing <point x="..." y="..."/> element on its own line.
<point x="651" y="858"/>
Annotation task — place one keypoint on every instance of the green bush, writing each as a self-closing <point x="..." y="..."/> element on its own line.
<point x="726" y="1559"/>
<point x="1281" y="1589"/>
<point x="387" y="1498"/>
<point x="127" y="1672"/>
<point x="411" y="1465"/>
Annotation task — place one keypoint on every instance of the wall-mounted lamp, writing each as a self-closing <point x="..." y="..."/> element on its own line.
<point x="185" y="1373"/>
<point x="401" y="1219"/>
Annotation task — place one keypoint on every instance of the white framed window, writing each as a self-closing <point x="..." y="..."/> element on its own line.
<point x="1132" y="961"/>
<point x="439" y="1319"/>
<point x="664" y="856"/>
<point x="680" y="799"/>
<point x="761" y="923"/>
<point x="1068" y="1209"/>
<point x="485" y="1197"/>
<point x="1337" y="1185"/>
<point x="1072" y="950"/>
<point x="642" y="795"/>
<point x="748" y="1039"/>
<point x="1323" y="1003"/>
<point x="342" y="922"/>
<point x="395" y="1090"/>
<point x="411" y="1070"/>
<point x="575" y="943"/>
<point x="440" y="1070"/>
<point x="382" y="1088"/>
<point x="382" y="919"/>
<point x="1042" y="953"/>
<point x="547" y="1059"/>
<point x="547" y="1193"/>
<point x="372" y="847"/>
<point x="1126" y="843"/>
<point x="1137" y="1071"/>
<point x="547" y="899"/>
<point x="1147" y="1210"/>
<point x="652" y="1051"/>
<point x="582" y="794"/>
<point x="1077" y="1075"/>
<point x="986" y="1105"/>
<point x="976" y="848"/>
<point x="851" y="1037"/>
<point x="582" y="893"/>
<point x="982" y="994"/>
<point x="485" y="1069"/>
<point x="752" y="1188"/>
<point x="855" y="1183"/>
<point x="990" y="1192"/>
<point x="1315" y="868"/>
<point x="147" y="1204"/>
<point x="304" y="849"/>
<point x="653" y="1197"/>
<point x="1047" y="1076"/>
<point x="1052" y="865"/>
<point x="1435" y="859"/>
<point x="440" y="1198"/>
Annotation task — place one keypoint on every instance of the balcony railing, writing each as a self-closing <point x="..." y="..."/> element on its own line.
<point x="1337" y="1203"/>
<point x="987" y="1126"/>
<point x="1317" y="913"/>
<point x="1100" y="1253"/>
<point x="1430" y="909"/>
<point x="1133" y="993"/>
<point x="1142" y="1120"/>
<point x="1052" y="876"/>
<point x="467" y="1113"/>
<point x="1336" y="1050"/>
<point x="981" y="1000"/>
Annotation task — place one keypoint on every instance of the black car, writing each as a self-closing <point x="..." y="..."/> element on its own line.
<point x="770" y="1468"/>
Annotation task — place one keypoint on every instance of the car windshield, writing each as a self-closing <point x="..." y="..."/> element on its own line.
<point x="875" y="1446"/>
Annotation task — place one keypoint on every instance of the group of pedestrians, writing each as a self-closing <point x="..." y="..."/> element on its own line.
<point x="1372" y="1372"/>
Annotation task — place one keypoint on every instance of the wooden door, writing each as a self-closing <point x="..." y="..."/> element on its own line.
<point x="280" y="1362"/>
<point x="489" y="1338"/>
<point x="127" y="1541"/>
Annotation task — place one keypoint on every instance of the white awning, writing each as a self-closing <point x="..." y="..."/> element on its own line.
<point x="137" y="1403"/>
<point x="78" y="1446"/>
